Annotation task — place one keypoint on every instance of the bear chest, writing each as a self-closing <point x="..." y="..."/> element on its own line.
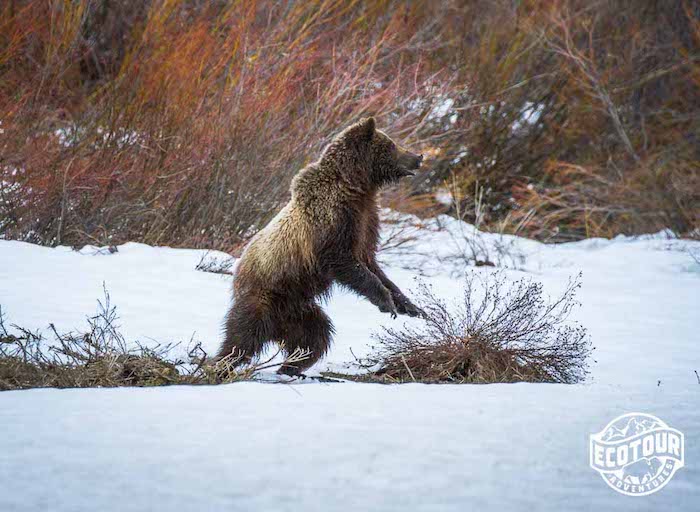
<point x="365" y="234"/>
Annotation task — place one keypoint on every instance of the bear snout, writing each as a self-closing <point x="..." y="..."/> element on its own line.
<point x="409" y="163"/>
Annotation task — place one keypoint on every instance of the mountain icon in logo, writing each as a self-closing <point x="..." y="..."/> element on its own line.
<point x="633" y="427"/>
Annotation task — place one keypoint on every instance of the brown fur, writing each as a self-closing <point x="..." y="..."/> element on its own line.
<point x="328" y="232"/>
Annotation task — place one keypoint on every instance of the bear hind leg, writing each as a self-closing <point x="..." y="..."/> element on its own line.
<point x="246" y="334"/>
<point x="311" y="332"/>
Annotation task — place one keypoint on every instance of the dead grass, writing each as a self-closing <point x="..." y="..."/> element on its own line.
<point x="101" y="357"/>
<point x="498" y="333"/>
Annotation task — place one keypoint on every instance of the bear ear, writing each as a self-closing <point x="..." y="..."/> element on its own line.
<point x="368" y="126"/>
<point x="361" y="131"/>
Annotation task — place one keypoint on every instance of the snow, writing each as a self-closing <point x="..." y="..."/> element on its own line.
<point x="72" y="135"/>
<point x="443" y="107"/>
<point x="529" y="115"/>
<point x="315" y="446"/>
<point x="443" y="195"/>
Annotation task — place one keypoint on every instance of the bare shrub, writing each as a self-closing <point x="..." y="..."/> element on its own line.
<point x="509" y="334"/>
<point x="181" y="122"/>
<point x="609" y="88"/>
<point x="580" y="202"/>
<point x="216" y="264"/>
<point x="101" y="357"/>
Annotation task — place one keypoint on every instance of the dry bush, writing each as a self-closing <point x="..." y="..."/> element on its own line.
<point x="101" y="357"/>
<point x="609" y="88"/>
<point x="508" y="334"/>
<point x="581" y="202"/>
<point x="631" y="161"/>
<point x="181" y="122"/>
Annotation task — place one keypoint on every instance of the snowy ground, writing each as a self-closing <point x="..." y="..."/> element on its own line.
<point x="347" y="446"/>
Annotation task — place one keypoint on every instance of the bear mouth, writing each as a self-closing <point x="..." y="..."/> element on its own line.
<point x="411" y="169"/>
<point x="409" y="164"/>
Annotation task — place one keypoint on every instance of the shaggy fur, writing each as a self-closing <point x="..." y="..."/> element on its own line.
<point x="328" y="232"/>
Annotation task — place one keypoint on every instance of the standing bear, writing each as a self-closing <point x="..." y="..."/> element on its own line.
<point x="328" y="232"/>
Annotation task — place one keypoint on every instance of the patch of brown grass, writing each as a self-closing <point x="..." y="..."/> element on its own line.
<point x="101" y="357"/>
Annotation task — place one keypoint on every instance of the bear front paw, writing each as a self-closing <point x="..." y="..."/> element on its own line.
<point x="406" y="307"/>
<point x="388" y="306"/>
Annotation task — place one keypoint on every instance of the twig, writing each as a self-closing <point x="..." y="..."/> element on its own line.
<point x="407" y="368"/>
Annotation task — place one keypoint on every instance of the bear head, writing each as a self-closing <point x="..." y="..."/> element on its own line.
<point x="383" y="160"/>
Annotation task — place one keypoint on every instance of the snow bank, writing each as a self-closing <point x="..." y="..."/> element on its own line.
<point x="347" y="446"/>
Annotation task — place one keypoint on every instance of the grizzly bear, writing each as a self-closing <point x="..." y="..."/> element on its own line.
<point x="328" y="232"/>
